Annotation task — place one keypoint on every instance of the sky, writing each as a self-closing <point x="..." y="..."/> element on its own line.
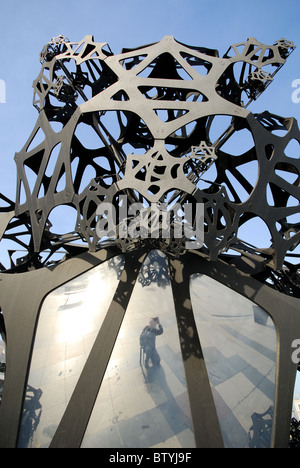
<point x="26" y="26"/>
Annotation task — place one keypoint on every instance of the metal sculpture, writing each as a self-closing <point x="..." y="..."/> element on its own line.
<point x="144" y="124"/>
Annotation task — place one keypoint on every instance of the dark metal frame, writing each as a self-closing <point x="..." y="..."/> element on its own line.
<point x="118" y="86"/>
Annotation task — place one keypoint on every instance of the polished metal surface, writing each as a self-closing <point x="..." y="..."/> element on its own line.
<point x="240" y="350"/>
<point x="144" y="406"/>
<point x="69" y="322"/>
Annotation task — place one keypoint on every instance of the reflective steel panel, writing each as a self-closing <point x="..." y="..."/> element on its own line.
<point x="70" y="319"/>
<point x="139" y="405"/>
<point x="239" y="344"/>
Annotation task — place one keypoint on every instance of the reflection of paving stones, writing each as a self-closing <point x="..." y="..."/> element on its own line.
<point x="108" y="438"/>
<point x="144" y="430"/>
<point x="260" y="348"/>
<point x="221" y="369"/>
<point x="172" y="360"/>
<point x="49" y="431"/>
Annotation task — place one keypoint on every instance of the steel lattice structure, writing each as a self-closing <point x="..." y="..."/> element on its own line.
<point x="145" y="124"/>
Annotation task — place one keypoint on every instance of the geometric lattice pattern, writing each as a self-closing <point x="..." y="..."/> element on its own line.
<point x="161" y="123"/>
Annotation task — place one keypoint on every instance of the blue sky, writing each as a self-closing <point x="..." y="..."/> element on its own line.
<point x="26" y="26"/>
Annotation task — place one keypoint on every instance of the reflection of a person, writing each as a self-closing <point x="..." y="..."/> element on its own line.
<point x="147" y="341"/>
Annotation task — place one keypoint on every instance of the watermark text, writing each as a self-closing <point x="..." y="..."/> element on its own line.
<point x="2" y="92"/>
<point x="296" y="92"/>
<point x="296" y="353"/>
<point x="137" y="221"/>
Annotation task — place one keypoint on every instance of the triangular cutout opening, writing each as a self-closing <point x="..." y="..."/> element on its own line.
<point x="168" y="115"/>
<point x="165" y="66"/>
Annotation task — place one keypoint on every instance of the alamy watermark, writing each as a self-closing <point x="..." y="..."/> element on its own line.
<point x="296" y="353"/>
<point x="137" y="221"/>
<point x="2" y="92"/>
<point x="296" y="92"/>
